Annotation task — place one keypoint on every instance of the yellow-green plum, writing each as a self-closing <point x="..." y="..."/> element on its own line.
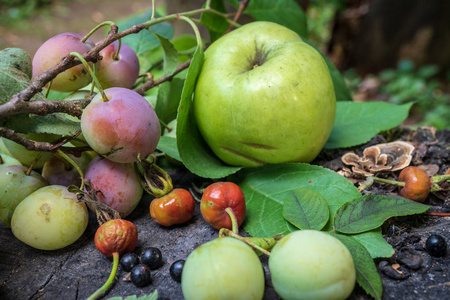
<point x="223" y="269"/>
<point x="310" y="265"/>
<point x="53" y="50"/>
<point x="264" y="96"/>
<point x="50" y="218"/>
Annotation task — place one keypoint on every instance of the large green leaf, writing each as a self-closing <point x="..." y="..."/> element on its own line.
<point x="284" y="12"/>
<point x="357" y="122"/>
<point x="52" y="124"/>
<point x="144" y="41"/>
<point x="266" y="188"/>
<point x="194" y="152"/>
<point x="366" y="271"/>
<point x="370" y="211"/>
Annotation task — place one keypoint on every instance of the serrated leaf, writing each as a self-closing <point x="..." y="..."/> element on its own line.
<point x="266" y="187"/>
<point x="144" y="41"/>
<point x="366" y="271"/>
<point x="194" y="152"/>
<point x="170" y="54"/>
<point x="306" y="209"/>
<point x="168" y="145"/>
<point x="215" y="24"/>
<point x="284" y="12"/>
<point x="375" y="243"/>
<point x="169" y="95"/>
<point x="370" y="211"/>
<point x="357" y="122"/>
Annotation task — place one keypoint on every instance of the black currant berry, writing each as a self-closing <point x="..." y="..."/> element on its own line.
<point x="152" y="258"/>
<point x="128" y="261"/>
<point x="436" y="245"/>
<point x="176" y="269"/>
<point x="140" y="275"/>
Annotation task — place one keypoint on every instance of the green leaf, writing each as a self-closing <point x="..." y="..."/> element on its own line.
<point x="375" y="243"/>
<point x="194" y="152"/>
<point x="168" y="145"/>
<point x="15" y="73"/>
<point x="169" y="95"/>
<point x="366" y="271"/>
<point x="306" y="209"/>
<point x="370" y="211"/>
<point x="340" y="87"/>
<point x="357" y="122"/>
<point x="266" y="188"/>
<point x="215" y="24"/>
<point x="52" y="123"/>
<point x="144" y="41"/>
<point x="284" y="12"/>
<point x="170" y="54"/>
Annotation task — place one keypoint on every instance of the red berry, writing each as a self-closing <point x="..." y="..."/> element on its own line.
<point x="417" y="184"/>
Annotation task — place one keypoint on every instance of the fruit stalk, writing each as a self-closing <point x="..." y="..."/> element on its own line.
<point x="101" y="291"/>
<point x="226" y="232"/>
<point x="234" y="222"/>
<point x="97" y="83"/>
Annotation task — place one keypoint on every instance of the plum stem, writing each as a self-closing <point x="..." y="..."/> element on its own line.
<point x="106" y="23"/>
<point x="153" y="10"/>
<point x="116" y="54"/>
<point x="234" y="222"/>
<point x="371" y="179"/>
<point x="227" y="232"/>
<point x="68" y="159"/>
<point x="195" y="28"/>
<point x="101" y="291"/>
<point x="86" y="65"/>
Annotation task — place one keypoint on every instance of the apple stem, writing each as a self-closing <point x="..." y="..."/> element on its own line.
<point x="97" y="83"/>
<point x="226" y="232"/>
<point x="371" y="179"/>
<point x="234" y="223"/>
<point x="101" y="291"/>
<point x="48" y="89"/>
<point x="108" y="23"/>
<point x="69" y="160"/>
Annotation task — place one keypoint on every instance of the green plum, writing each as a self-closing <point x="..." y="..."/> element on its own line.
<point x="311" y="264"/>
<point x="8" y="160"/>
<point x="50" y="218"/>
<point x="224" y="268"/>
<point x="264" y="96"/>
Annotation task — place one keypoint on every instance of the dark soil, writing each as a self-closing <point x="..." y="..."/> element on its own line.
<point x="77" y="271"/>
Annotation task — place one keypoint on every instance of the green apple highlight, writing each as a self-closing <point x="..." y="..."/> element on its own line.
<point x="264" y="96"/>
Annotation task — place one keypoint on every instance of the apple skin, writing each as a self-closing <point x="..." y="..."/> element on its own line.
<point x="264" y="96"/>
<point x="120" y="72"/>
<point x="53" y="50"/>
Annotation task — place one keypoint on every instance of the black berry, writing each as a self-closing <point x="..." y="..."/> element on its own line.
<point x="128" y="261"/>
<point x="176" y="269"/>
<point x="436" y="245"/>
<point x="140" y="275"/>
<point x="152" y="258"/>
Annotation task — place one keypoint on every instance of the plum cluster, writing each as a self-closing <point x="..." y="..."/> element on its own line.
<point x="119" y="125"/>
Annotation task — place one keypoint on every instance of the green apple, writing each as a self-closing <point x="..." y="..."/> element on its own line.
<point x="311" y="264"/>
<point x="264" y="96"/>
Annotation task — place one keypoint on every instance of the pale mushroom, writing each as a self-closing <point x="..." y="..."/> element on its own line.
<point x="392" y="156"/>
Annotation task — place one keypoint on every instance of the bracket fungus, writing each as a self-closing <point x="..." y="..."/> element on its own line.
<point x="389" y="157"/>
